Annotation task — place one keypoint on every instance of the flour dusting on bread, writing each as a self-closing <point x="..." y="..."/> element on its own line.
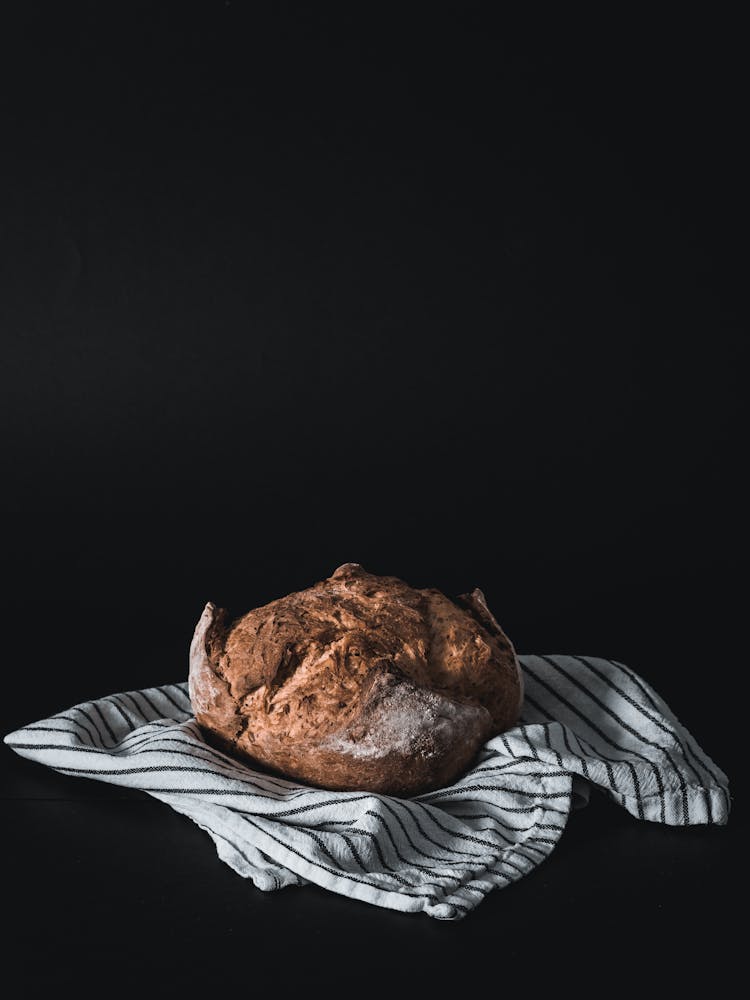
<point x="410" y="720"/>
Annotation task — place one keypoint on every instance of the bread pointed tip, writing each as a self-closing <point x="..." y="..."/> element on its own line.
<point x="347" y="569"/>
<point x="200" y="663"/>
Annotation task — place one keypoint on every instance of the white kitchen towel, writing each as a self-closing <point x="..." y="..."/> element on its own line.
<point x="586" y="721"/>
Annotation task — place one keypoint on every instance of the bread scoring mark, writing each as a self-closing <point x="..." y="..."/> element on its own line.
<point x="476" y="604"/>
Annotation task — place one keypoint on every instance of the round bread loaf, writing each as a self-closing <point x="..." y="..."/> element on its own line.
<point x="359" y="682"/>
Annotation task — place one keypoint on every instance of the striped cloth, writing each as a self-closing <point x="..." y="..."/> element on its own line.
<point x="586" y="721"/>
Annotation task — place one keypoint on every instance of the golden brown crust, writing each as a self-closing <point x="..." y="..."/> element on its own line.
<point x="358" y="682"/>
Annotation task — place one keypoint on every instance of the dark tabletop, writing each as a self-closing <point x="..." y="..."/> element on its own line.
<point x="284" y="286"/>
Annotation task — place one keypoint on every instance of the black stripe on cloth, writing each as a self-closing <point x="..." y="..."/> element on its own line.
<point x="532" y="748"/>
<point x="522" y="774"/>
<point x="480" y="868"/>
<point x="287" y="784"/>
<point x="232" y="772"/>
<point x="410" y="842"/>
<point x="384" y="825"/>
<point x="165" y="692"/>
<point x="97" y="730"/>
<point x="221" y="760"/>
<point x="483" y="829"/>
<point x="458" y="835"/>
<point x="376" y="844"/>
<point x="446" y="847"/>
<point x="149" y="730"/>
<point x="104" y="753"/>
<point x="501" y="857"/>
<point x="611" y="712"/>
<point x="138" y="709"/>
<point x="115" y="704"/>
<point x="166" y="768"/>
<point x="160" y="768"/>
<point x="498" y="814"/>
<point x="115" y="751"/>
<point x="198" y="791"/>
<point x="374" y="838"/>
<point x="493" y="811"/>
<point x="354" y="826"/>
<point x="138" y="716"/>
<point x="137" y="736"/>
<point x="461" y="789"/>
<point x="607" y="762"/>
<point x="497" y="829"/>
<point x="321" y="844"/>
<point x="635" y="753"/>
<point x="529" y="843"/>
<point x="592" y="725"/>
<point x="545" y="727"/>
<point x="292" y="791"/>
<point x="564" y="730"/>
<point x="689" y="756"/>
<point x="50" y="729"/>
<point x="410" y="815"/>
<point x="576" y="711"/>
<point x="513" y="762"/>
<point x="148" y="701"/>
<point x="584" y="763"/>
<point x="609" y="683"/>
<point x="548" y="741"/>
<point x="339" y="873"/>
<point x="145" y="733"/>
<point x="637" y="786"/>
<point x="53" y="746"/>
<point x="702" y="760"/>
<point x="149" y="733"/>
<point x="532" y="809"/>
<point x="67" y="718"/>
<point x="182" y="690"/>
<point x="465" y="836"/>
<point x="411" y="865"/>
<point x="107" y="726"/>
<point x="354" y="852"/>
<point x="325" y="802"/>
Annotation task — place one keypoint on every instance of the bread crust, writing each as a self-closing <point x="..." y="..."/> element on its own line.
<point x="359" y="682"/>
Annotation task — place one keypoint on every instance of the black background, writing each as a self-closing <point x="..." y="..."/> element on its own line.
<point x="285" y="286"/>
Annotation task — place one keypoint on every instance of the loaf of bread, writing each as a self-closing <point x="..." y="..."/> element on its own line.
<point x="359" y="682"/>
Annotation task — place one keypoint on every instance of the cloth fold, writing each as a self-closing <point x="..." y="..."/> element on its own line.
<point x="586" y="722"/>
